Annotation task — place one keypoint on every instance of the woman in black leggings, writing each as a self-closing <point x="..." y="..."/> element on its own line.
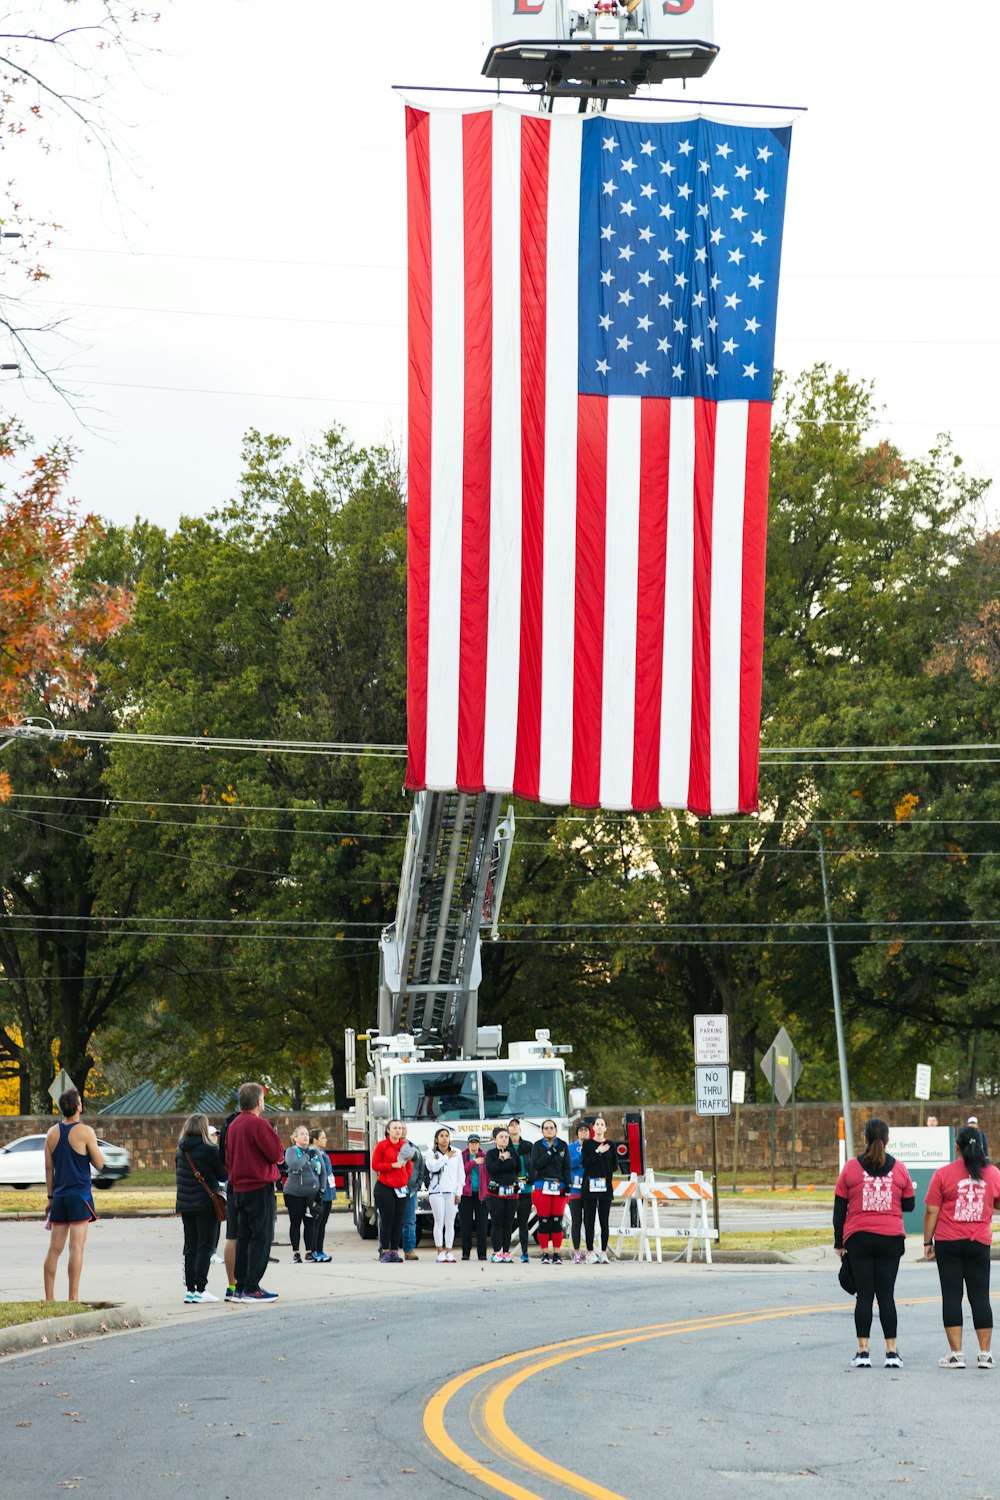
<point x="958" y="1232"/>
<point x="872" y="1194"/>
<point x="598" y="1158"/>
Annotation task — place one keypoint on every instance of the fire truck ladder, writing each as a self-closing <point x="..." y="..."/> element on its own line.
<point x="452" y="880"/>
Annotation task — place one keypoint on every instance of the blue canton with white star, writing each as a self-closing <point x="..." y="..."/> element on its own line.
<point x="680" y="246"/>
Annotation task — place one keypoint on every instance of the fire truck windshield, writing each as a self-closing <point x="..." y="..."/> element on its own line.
<point x="533" y="1093"/>
<point x="506" y="1091"/>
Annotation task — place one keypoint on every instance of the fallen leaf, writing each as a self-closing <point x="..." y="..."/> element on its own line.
<point x="22" y="1424"/>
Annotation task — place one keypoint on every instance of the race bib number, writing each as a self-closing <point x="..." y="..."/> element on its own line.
<point x="577" y="1183"/>
<point x="402" y="1192"/>
<point x="597" y="1184"/>
<point x="504" y="1189"/>
<point x="554" y="1189"/>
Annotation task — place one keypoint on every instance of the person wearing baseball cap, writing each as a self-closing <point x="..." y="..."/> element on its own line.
<point x="472" y="1206"/>
<point x="973" y="1120"/>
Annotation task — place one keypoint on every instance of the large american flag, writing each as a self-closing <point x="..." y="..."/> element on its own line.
<point x="591" y="348"/>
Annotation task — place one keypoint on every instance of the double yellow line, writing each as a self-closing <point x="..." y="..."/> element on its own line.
<point x="546" y="1357"/>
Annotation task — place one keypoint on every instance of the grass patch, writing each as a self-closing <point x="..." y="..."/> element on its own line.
<point x="12" y="1314"/>
<point x="112" y="1200"/>
<point x="778" y="1239"/>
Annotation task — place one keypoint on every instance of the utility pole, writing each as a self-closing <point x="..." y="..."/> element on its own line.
<point x="845" y="1088"/>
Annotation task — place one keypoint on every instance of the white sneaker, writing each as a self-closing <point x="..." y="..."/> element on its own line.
<point x="442" y="1259"/>
<point x="449" y="1258"/>
<point x="603" y="1258"/>
<point x="984" y="1359"/>
<point x="592" y="1257"/>
<point x="954" y="1361"/>
<point x="207" y="1297"/>
<point x="216" y="1260"/>
<point x="191" y="1297"/>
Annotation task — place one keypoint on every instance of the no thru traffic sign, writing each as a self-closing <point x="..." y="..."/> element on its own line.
<point x="711" y="1091"/>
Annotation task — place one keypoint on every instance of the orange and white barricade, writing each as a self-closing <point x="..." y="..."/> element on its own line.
<point x="651" y="1199"/>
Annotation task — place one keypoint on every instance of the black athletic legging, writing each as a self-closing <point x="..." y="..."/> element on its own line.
<point x="575" y="1220"/>
<point x="502" y="1211"/>
<point x="875" y="1260"/>
<point x="968" y="1262"/>
<point x="390" y="1217"/>
<point x="592" y="1209"/>
<point x="299" y="1219"/>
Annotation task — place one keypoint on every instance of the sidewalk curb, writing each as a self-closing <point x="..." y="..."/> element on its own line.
<point x="48" y="1331"/>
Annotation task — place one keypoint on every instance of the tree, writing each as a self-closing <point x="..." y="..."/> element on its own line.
<point x="55" y="80"/>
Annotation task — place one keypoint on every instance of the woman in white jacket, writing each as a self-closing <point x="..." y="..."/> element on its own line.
<point x="445" y="1181"/>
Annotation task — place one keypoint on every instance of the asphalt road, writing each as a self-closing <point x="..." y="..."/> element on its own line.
<point x="718" y="1382"/>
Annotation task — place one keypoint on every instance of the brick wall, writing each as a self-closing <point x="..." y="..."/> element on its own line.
<point x="152" y="1139"/>
<point x="678" y="1140"/>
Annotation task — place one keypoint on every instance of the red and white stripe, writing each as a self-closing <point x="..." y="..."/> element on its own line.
<point x="586" y="575"/>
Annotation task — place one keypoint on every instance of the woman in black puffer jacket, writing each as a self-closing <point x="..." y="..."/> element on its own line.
<point x="196" y="1150"/>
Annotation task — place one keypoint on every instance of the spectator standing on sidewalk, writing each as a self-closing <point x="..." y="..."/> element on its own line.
<point x="599" y="1159"/>
<point x="522" y="1212"/>
<point x="473" y="1212"/>
<point x="253" y="1151"/>
<point x="413" y="1154"/>
<point x="958" y="1232"/>
<point x="301" y="1191"/>
<point x="973" y="1120"/>
<point x="872" y="1194"/>
<point x="575" y="1200"/>
<point x="199" y="1172"/>
<point x="550" y="1179"/>
<point x="446" y="1178"/>
<point x="502" y="1167"/>
<point x="70" y="1150"/>
<point x="327" y="1192"/>
<point x="392" y="1170"/>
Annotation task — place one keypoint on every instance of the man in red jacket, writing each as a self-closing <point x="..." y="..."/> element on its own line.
<point x="253" y="1151"/>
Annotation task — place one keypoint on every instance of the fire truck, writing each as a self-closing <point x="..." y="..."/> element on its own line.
<point x="428" y="1061"/>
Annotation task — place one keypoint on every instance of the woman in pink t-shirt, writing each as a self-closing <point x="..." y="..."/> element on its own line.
<point x="872" y="1194"/>
<point x="958" y="1233"/>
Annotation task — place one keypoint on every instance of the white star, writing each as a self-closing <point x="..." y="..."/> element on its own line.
<point x="647" y="148"/>
<point x="713" y="324"/>
<point x="607" y="231"/>
<point x="625" y="343"/>
<point x="663" y="345"/>
<point x="730" y="346"/>
<point x="605" y="322"/>
<point x="715" y="283"/>
<point x="628" y="165"/>
<point x="717" y="236"/>
<point x="732" y="301"/>
<point x="626" y="252"/>
<point x="607" y="278"/>
<point x="680" y="280"/>
<point x="756" y="282"/>
<point x="666" y="212"/>
<point x="683" y="191"/>
<point x="628" y="207"/>
<point x="758" y="237"/>
<point x="646" y="234"/>
<point x="667" y="169"/>
<point x="664" y="255"/>
<point x="610" y="144"/>
<point x="645" y="277"/>
<point x="644" y="323"/>
<point x="609" y="187"/>
<point x="685" y="148"/>
<point x="749" y="371"/>
<point x="703" y="166"/>
<point x="701" y="254"/>
<point x="682" y="235"/>
<point x="760" y="195"/>
<point x="678" y="372"/>
<point x="720" y="192"/>
<point x="738" y="213"/>
<point x="626" y="297"/>
<point x="752" y="325"/>
<point x="647" y="190"/>
<point x="735" y="256"/>
<point x="666" y="300"/>
<point x="763" y="154"/>
<point x="680" y="326"/>
<point x="743" y="172"/>
<point x="703" y="210"/>
<point x="697" y="343"/>
<point x="698" y="299"/>
<point x="711" y="371"/>
<point x="602" y="367"/>
<point x="725" y="150"/>
<point x="642" y="369"/>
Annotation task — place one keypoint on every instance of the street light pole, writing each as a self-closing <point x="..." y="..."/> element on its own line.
<point x="845" y="1088"/>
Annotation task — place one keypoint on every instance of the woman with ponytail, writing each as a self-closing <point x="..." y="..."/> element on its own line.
<point x="873" y="1193"/>
<point x="958" y="1233"/>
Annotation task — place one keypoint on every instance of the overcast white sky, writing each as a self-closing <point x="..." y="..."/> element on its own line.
<point x="252" y="273"/>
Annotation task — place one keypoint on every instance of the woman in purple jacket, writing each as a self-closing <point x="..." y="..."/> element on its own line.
<point x="472" y="1208"/>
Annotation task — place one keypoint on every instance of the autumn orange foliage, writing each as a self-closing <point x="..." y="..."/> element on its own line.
<point x="48" y="615"/>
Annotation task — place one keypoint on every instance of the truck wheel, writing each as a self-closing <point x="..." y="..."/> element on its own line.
<point x="366" y="1229"/>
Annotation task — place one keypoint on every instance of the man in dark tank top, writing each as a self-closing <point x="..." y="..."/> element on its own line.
<point x="70" y="1150"/>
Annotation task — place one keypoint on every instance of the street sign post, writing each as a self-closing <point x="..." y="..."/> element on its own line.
<point x="711" y="1097"/>
<point x="782" y="1067"/>
<point x="922" y="1087"/>
<point x="738" y="1090"/>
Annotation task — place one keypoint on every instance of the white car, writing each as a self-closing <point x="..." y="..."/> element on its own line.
<point x="22" y="1163"/>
